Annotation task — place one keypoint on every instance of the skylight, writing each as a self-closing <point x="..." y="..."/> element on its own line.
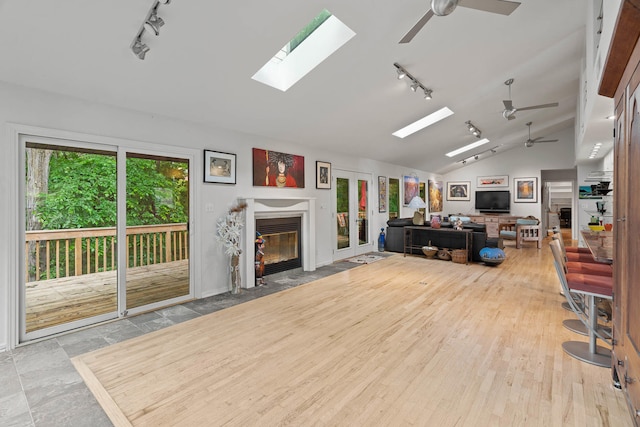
<point x="324" y="35"/>
<point x="467" y="147"/>
<point x="423" y="122"/>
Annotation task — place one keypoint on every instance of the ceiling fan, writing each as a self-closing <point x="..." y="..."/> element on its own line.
<point x="445" y="7"/>
<point x="510" y="111"/>
<point x="529" y="142"/>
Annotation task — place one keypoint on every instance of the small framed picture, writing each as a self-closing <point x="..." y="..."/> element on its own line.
<point x="219" y="167"/>
<point x="323" y="175"/>
<point x="459" y="190"/>
<point x="382" y="194"/>
<point x="493" y="181"/>
<point x="526" y="190"/>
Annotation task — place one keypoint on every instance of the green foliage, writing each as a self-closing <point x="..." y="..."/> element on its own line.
<point x="394" y="195"/>
<point x="82" y="192"/>
<point x="342" y="195"/>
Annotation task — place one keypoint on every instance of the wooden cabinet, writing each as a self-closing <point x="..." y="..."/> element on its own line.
<point x="493" y="222"/>
<point x="621" y="80"/>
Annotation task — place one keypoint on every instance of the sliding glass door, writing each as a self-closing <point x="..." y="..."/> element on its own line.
<point x="157" y="229"/>
<point x="88" y="210"/>
<point x="70" y="262"/>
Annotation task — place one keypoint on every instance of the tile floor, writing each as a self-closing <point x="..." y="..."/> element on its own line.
<point x="40" y="387"/>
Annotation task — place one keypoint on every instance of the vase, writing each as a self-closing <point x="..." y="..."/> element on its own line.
<point x="235" y="274"/>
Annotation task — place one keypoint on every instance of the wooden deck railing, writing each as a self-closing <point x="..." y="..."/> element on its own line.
<point x="52" y="254"/>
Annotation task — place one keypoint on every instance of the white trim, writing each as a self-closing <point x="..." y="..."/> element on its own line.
<point x="264" y="207"/>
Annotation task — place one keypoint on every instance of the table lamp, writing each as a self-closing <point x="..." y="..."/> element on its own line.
<point x="417" y="203"/>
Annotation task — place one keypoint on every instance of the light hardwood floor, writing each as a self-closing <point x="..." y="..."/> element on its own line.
<point x="403" y="341"/>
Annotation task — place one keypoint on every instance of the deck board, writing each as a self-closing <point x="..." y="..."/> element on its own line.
<point x="57" y="301"/>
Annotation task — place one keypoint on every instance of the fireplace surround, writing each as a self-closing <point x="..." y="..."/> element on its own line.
<point x="282" y="207"/>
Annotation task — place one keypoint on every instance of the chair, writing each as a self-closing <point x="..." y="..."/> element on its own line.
<point x="565" y="217"/>
<point x="588" y="288"/>
<point x="524" y="230"/>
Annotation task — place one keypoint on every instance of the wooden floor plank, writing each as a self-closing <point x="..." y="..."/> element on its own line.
<point x="403" y="341"/>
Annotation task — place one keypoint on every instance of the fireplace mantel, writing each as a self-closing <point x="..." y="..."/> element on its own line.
<point x="277" y="207"/>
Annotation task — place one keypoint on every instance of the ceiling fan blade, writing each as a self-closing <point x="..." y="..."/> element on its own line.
<point x="508" y="104"/>
<point x="535" y="107"/>
<point x="494" y="6"/>
<point x="547" y="140"/>
<point x="416" y="28"/>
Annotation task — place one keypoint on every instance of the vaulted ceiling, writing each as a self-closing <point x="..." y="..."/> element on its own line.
<point x="199" y="69"/>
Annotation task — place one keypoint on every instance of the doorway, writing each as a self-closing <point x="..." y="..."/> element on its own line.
<point x="105" y="234"/>
<point x="352" y="212"/>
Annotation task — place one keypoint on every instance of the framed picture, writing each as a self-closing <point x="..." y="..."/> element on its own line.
<point x="435" y="196"/>
<point x="493" y="181"/>
<point x="219" y="167"/>
<point x="459" y="190"/>
<point x="323" y="175"/>
<point x="526" y="190"/>
<point x="382" y="194"/>
<point x="411" y="188"/>
<point x="276" y="169"/>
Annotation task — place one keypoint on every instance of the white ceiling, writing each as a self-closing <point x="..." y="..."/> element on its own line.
<point x="199" y="69"/>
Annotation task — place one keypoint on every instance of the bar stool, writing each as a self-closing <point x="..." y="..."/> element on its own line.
<point x="588" y="287"/>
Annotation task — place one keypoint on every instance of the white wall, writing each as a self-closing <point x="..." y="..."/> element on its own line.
<point x="518" y="162"/>
<point x="139" y="130"/>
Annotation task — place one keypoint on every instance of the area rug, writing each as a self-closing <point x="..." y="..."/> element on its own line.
<point x="365" y="259"/>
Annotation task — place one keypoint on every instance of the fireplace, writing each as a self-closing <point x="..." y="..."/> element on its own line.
<point x="261" y="208"/>
<point x="283" y="243"/>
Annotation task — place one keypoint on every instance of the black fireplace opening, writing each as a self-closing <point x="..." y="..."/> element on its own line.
<point x="282" y="243"/>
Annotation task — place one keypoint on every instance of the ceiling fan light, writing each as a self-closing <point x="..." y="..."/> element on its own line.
<point x="443" y="7"/>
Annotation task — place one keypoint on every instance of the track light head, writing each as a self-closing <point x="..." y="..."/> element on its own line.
<point x="464" y="162"/>
<point x="153" y="23"/>
<point x="475" y="157"/>
<point x="470" y="126"/>
<point x="165" y="1"/>
<point x="140" y="49"/>
<point x="401" y="73"/>
<point x="493" y="150"/>
<point x="427" y="93"/>
<point x="415" y="86"/>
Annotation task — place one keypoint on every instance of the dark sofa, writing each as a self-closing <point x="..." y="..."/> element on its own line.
<point x="395" y="237"/>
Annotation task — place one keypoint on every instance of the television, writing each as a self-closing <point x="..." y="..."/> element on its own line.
<point x="493" y="201"/>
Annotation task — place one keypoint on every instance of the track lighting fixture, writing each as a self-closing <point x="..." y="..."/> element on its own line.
<point x="476" y="156"/>
<point x="415" y="83"/>
<point x="151" y="24"/>
<point x="139" y="49"/>
<point x="473" y="129"/>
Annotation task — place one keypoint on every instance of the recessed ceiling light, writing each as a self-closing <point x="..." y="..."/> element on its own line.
<point x="432" y="118"/>
<point x="467" y="147"/>
<point x="611" y="117"/>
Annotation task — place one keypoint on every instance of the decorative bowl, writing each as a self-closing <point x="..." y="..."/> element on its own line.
<point x="444" y="254"/>
<point x="492" y="256"/>
<point x="596" y="227"/>
<point x="430" y="251"/>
